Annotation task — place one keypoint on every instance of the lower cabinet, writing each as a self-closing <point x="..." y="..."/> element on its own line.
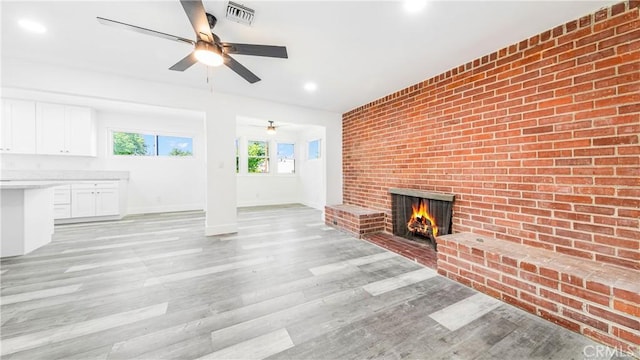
<point x="87" y="199"/>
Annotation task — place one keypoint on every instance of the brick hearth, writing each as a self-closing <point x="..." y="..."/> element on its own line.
<point x="421" y="253"/>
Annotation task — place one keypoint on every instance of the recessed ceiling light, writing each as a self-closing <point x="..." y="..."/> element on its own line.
<point x="32" y="26"/>
<point x="414" y="6"/>
<point x="310" y="86"/>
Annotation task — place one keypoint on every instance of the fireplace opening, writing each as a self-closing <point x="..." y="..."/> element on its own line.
<point x="421" y="216"/>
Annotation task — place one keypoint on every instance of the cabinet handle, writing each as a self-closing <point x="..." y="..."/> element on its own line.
<point x="61" y="150"/>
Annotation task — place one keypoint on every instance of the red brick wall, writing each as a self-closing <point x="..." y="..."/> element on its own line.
<point x="539" y="141"/>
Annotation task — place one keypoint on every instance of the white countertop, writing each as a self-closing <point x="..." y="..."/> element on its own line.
<point x="29" y="184"/>
<point x="61" y="175"/>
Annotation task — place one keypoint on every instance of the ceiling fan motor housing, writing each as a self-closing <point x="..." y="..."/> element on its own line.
<point x="212" y="21"/>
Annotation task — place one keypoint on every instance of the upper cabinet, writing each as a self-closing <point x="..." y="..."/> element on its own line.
<point x="18" y="127"/>
<point x="65" y="130"/>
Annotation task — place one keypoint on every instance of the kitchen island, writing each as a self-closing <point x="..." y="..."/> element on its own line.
<point x="26" y="206"/>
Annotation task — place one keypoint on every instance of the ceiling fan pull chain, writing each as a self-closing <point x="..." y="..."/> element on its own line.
<point x="209" y="78"/>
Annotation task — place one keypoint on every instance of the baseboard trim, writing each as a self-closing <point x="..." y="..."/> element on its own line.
<point x="163" y="209"/>
<point x="221" y="229"/>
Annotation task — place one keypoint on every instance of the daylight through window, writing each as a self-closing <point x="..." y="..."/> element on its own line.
<point x="258" y="157"/>
<point x="286" y="158"/>
<point x="314" y="149"/>
<point x="140" y="144"/>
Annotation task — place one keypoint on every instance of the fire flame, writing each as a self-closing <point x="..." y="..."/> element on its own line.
<point x="420" y="214"/>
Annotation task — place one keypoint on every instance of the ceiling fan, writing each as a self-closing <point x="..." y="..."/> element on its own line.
<point x="208" y="49"/>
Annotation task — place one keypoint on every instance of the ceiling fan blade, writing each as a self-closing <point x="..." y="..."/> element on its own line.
<point x="256" y="50"/>
<point x="185" y="63"/>
<point x="143" y="30"/>
<point x="198" y="18"/>
<point x="240" y="69"/>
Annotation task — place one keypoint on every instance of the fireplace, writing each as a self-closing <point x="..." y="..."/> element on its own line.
<point x="420" y="215"/>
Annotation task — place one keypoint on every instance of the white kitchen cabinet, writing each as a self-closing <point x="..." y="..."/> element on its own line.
<point x="18" y="127"/>
<point x="65" y="130"/>
<point x="62" y="202"/>
<point x="95" y="199"/>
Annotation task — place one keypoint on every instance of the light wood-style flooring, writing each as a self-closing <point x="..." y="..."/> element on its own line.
<point x="284" y="287"/>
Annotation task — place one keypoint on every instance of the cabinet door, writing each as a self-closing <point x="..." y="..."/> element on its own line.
<point x="107" y="202"/>
<point x="18" y="130"/>
<point x="51" y="129"/>
<point x="83" y="202"/>
<point x="80" y="136"/>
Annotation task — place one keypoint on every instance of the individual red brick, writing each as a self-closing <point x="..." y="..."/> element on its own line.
<point x="528" y="267"/>
<point x="631" y="322"/>
<point x="584" y="319"/>
<point x="631" y="264"/>
<point x="565" y="300"/>
<point x="627" y="295"/>
<point x="572" y="279"/>
<point x="519" y="284"/>
<point x="571" y="325"/>
<point x="552" y="284"/>
<point x="538" y="301"/>
<point x="627" y="308"/>
<point x="501" y="287"/>
<point x="549" y="273"/>
<point x="519" y="303"/>
<point x="633" y="338"/>
<point x="606" y="339"/>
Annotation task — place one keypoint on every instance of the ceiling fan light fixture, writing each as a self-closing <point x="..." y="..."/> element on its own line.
<point x="414" y="6"/>
<point x="271" y="129"/>
<point x="208" y="54"/>
<point x="310" y="86"/>
<point x="32" y="26"/>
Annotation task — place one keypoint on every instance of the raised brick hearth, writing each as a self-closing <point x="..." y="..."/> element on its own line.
<point x="596" y="299"/>
<point x="356" y="220"/>
<point x="540" y="143"/>
<point x="415" y="251"/>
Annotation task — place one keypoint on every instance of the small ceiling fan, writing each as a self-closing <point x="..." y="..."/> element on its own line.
<point x="208" y="49"/>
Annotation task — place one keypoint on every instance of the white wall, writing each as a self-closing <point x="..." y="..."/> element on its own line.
<point x="312" y="172"/>
<point x="220" y="112"/>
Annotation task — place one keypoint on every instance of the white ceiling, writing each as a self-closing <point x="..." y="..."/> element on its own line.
<point x="355" y="51"/>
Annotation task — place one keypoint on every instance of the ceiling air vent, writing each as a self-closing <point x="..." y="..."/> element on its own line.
<point x="239" y="13"/>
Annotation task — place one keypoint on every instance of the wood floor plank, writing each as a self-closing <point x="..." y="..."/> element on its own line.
<point x="386" y="285"/>
<point x="465" y="311"/>
<point x="318" y="270"/>
<point x="255" y="349"/>
<point x="38" y="294"/>
<point x="24" y="342"/>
